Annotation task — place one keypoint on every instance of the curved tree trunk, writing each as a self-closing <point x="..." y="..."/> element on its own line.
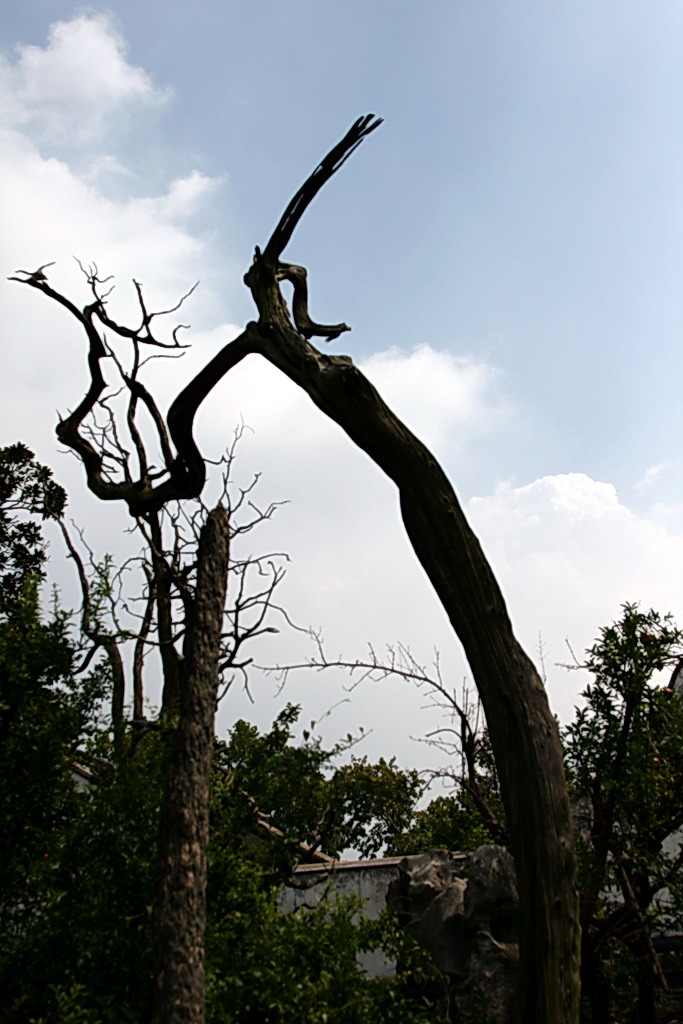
<point x="179" y="918"/>
<point x="523" y="731"/>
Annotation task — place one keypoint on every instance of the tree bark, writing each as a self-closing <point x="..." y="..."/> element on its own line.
<point x="170" y="659"/>
<point x="179" y="919"/>
<point x="523" y="731"/>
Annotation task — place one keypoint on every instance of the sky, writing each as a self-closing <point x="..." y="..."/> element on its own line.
<point x="507" y="247"/>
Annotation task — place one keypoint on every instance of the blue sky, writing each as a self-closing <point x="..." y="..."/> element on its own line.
<point x="508" y="249"/>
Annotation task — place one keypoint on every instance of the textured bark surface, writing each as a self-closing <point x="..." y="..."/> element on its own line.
<point x="180" y="909"/>
<point x="523" y="731"/>
<point x="524" y="734"/>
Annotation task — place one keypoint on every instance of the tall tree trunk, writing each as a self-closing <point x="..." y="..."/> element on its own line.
<point x="523" y="731"/>
<point x="524" y="734"/>
<point x="179" y="918"/>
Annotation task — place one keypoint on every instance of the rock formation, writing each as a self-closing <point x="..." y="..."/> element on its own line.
<point x="462" y="909"/>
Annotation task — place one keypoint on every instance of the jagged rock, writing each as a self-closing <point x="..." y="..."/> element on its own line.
<point x="491" y="899"/>
<point x="462" y="909"/>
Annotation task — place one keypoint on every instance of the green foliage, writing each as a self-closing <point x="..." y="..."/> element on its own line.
<point x="73" y="862"/>
<point x="369" y="804"/>
<point x="301" y="967"/>
<point x="77" y="891"/>
<point x="356" y="805"/>
<point x="624" y="747"/>
<point x="447" y="823"/>
<point x="263" y="966"/>
<point x="44" y="713"/>
<point x="48" y="716"/>
<point x="26" y="488"/>
<point x="624" y="761"/>
<point x="456" y="821"/>
<point x="96" y="889"/>
<point x="70" y="1007"/>
<point x="76" y="861"/>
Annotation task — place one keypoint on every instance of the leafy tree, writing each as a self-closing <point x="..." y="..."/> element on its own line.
<point x="265" y="966"/>
<point x="296" y="788"/>
<point x="283" y="969"/>
<point x="26" y="489"/>
<point x="43" y="718"/>
<point x="85" y="946"/>
<point x="625" y="763"/>
<point x="48" y="710"/>
<point x="43" y="709"/>
<point x="92" y="882"/>
<point x="449" y="822"/>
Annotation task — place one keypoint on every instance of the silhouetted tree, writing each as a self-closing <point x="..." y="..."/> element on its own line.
<point x="523" y="732"/>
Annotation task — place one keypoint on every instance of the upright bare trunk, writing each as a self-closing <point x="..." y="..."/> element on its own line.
<point x="180" y="910"/>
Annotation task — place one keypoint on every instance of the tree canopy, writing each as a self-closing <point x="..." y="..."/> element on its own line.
<point x="78" y="858"/>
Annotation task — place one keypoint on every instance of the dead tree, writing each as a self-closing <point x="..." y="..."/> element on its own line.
<point x="180" y="909"/>
<point x="523" y="732"/>
<point x="198" y="641"/>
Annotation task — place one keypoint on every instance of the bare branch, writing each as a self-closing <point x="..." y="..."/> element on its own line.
<point x="106" y="641"/>
<point x="297" y="277"/>
<point x="328" y="166"/>
<point x="139" y="652"/>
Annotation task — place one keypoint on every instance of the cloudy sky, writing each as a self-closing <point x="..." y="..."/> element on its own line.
<point x="508" y="249"/>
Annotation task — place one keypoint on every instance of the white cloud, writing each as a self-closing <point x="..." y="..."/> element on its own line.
<point x="182" y="200"/>
<point x="53" y="210"/>
<point x="651" y="476"/>
<point x="566" y="549"/>
<point x="461" y="393"/>
<point x="105" y="167"/>
<point x="68" y="91"/>
<point x="569" y="554"/>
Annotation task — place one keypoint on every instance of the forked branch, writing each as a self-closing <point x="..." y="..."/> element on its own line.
<point x="523" y="732"/>
<point x="185" y="471"/>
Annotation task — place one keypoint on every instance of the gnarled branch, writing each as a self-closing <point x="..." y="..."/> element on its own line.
<point x="328" y="166"/>
<point x="523" y="732"/>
